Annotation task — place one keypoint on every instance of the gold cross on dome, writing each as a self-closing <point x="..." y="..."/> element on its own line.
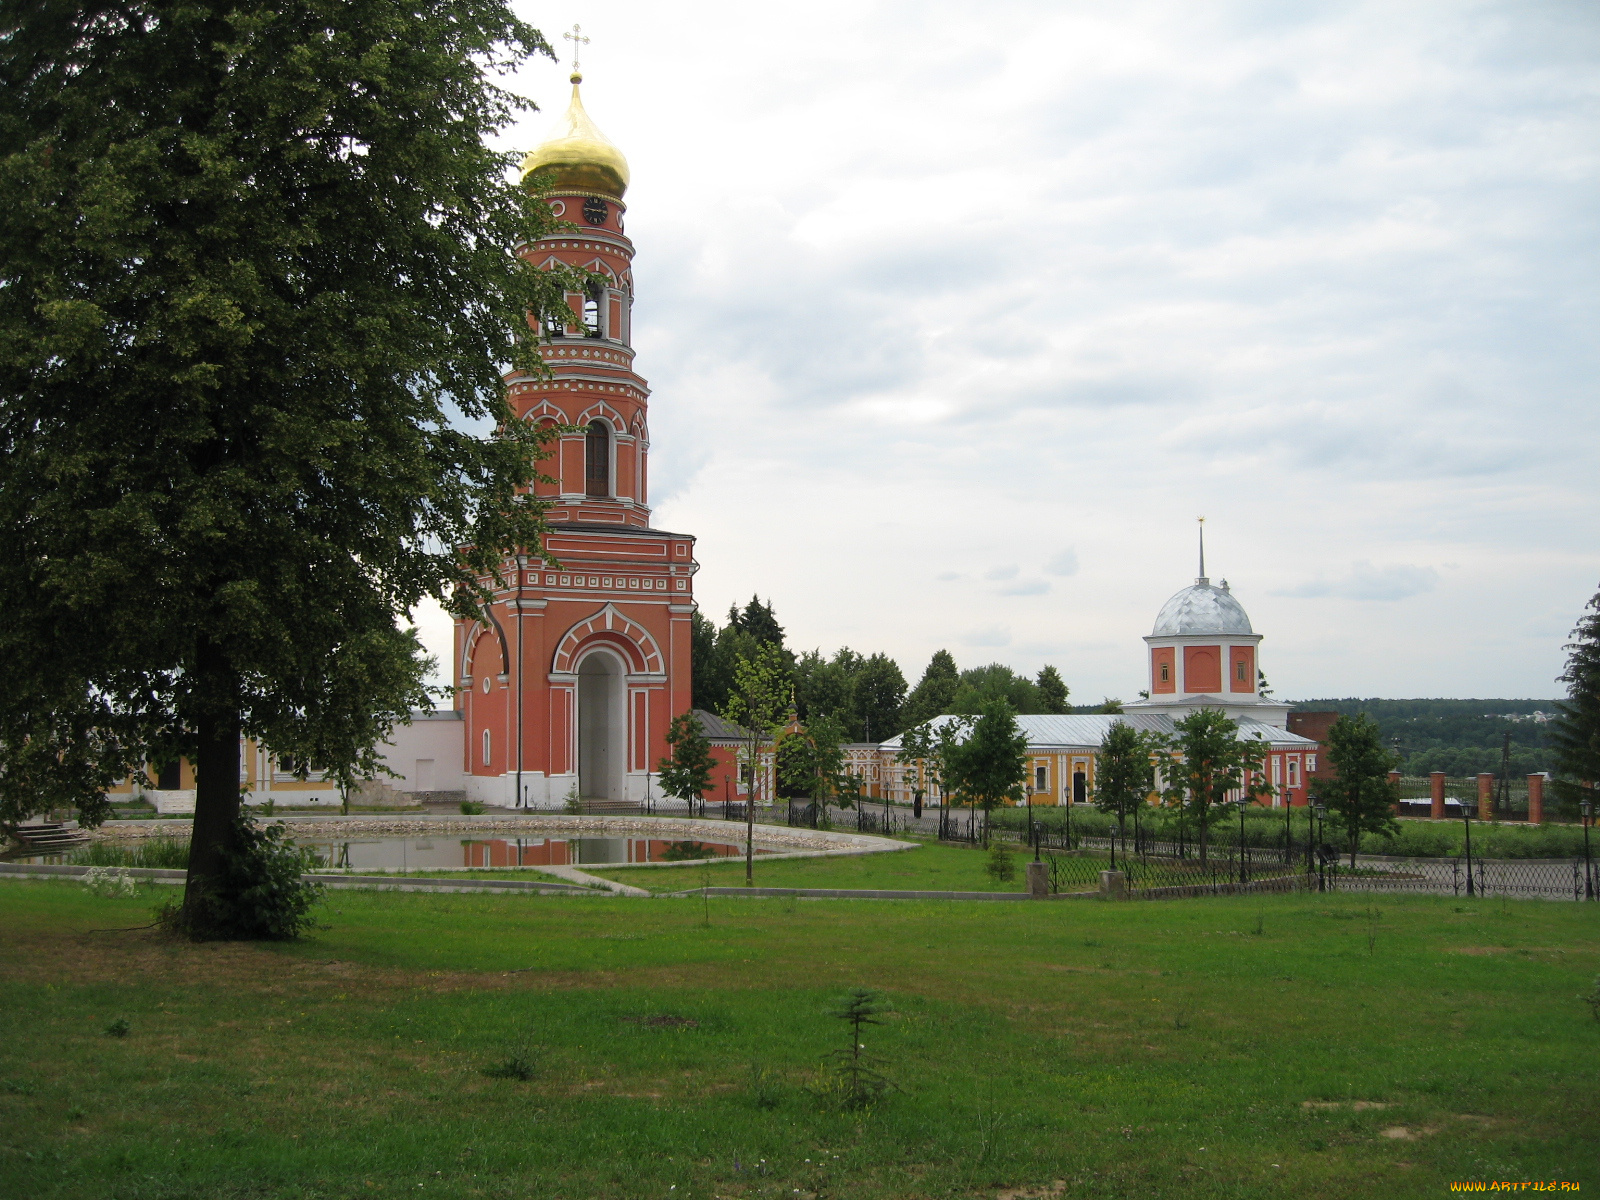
<point x="578" y="42"/>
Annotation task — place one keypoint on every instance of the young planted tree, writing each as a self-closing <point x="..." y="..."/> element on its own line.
<point x="944" y="768"/>
<point x="1207" y="760"/>
<point x="686" y="771"/>
<point x="857" y="1082"/>
<point x="1124" y="773"/>
<point x="1360" y="796"/>
<point x="758" y="700"/>
<point x="916" y="755"/>
<point x="258" y="261"/>
<point x="1575" y="733"/>
<point x="992" y="764"/>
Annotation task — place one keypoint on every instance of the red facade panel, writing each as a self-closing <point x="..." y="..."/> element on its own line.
<point x="1202" y="668"/>
<point x="1242" y="669"/>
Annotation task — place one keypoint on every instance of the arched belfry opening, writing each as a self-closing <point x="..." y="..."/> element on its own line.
<point x="601" y="734"/>
<point x="597" y="460"/>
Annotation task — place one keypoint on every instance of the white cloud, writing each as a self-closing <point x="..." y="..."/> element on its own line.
<point x="1006" y="572"/>
<point x="1366" y="582"/>
<point x="1064" y="563"/>
<point x="922" y="295"/>
<point x="1025" y="587"/>
<point x="989" y="635"/>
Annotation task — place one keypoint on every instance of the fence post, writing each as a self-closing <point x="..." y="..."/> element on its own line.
<point x="1536" y="799"/>
<point x="1436" y="795"/>
<point x="1485" y="795"/>
<point x="1039" y="880"/>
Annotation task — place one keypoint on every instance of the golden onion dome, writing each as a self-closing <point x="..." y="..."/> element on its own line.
<point x="579" y="155"/>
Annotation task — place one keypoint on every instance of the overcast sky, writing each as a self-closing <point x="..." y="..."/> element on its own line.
<point x="956" y="317"/>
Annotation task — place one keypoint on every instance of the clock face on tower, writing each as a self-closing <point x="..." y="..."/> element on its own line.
<point x="595" y="210"/>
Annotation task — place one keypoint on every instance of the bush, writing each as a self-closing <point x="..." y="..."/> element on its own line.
<point x="521" y="1066"/>
<point x="259" y="895"/>
<point x="109" y="881"/>
<point x="471" y="807"/>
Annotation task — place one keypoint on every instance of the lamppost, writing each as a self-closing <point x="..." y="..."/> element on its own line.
<point x="1586" y="807"/>
<point x="1466" y="822"/>
<point x="1320" y="811"/>
<point x="1244" y="865"/>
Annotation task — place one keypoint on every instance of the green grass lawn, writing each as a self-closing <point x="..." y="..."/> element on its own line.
<point x="1211" y="1048"/>
<point x="930" y="867"/>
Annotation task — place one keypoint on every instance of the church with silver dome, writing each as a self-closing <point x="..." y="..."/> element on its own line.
<point x="1202" y="653"/>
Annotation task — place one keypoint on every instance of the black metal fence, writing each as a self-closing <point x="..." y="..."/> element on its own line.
<point x="1560" y="879"/>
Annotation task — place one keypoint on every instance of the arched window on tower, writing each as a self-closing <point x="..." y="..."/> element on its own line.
<point x="593" y="307"/>
<point x="597" y="460"/>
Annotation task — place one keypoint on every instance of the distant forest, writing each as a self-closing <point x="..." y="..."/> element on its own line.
<point x="871" y="698"/>
<point x="1458" y="737"/>
<point x="866" y="693"/>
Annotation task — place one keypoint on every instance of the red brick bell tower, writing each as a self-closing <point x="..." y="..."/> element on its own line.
<point x="574" y="677"/>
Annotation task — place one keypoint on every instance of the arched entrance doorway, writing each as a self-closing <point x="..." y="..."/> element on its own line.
<point x="601" y="737"/>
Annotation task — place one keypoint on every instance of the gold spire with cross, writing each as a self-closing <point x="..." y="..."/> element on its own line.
<point x="578" y="155"/>
<point x="578" y="43"/>
<point x="1202" y="577"/>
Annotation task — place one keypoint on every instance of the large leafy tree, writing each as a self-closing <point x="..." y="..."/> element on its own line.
<point x="811" y="761"/>
<point x="1576" y="730"/>
<point x="1124" y="774"/>
<point x="992" y="764"/>
<point x="1206" y="761"/>
<point x="877" y="696"/>
<point x="1360" y="795"/>
<point x="256" y="264"/>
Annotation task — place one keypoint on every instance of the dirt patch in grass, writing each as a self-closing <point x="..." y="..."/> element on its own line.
<point x="1335" y="1105"/>
<point x="1042" y="1192"/>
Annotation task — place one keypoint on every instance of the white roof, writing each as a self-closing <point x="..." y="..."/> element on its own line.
<point x="1202" y="609"/>
<point x="1047" y="731"/>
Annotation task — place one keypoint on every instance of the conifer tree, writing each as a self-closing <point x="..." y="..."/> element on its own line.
<point x="258" y="260"/>
<point x="1052" y="690"/>
<point x="935" y="691"/>
<point x="1575" y="733"/>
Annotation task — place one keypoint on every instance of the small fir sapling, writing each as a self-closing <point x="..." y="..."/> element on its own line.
<point x="856" y="1082"/>
<point x="1001" y="865"/>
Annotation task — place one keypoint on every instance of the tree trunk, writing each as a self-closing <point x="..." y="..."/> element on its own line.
<point x="1204" y="829"/>
<point x="217" y="799"/>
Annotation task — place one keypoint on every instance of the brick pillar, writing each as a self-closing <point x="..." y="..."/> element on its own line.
<point x="1436" y="792"/>
<point x="1394" y="778"/>
<point x="1536" y="799"/>
<point x="1485" y="795"/>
